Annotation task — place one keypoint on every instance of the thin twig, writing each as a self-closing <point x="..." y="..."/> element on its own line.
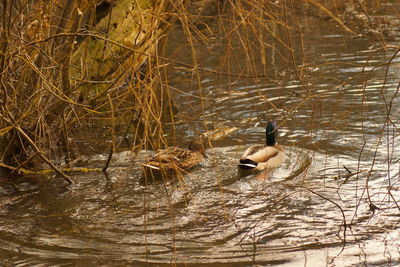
<point x="112" y="149"/>
<point x="37" y="150"/>
<point x="330" y="14"/>
<point x="42" y="156"/>
<point x="345" y="225"/>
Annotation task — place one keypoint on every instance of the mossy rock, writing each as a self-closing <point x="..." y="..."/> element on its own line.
<point x="129" y="27"/>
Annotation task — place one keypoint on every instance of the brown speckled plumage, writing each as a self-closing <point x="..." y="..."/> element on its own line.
<point x="175" y="160"/>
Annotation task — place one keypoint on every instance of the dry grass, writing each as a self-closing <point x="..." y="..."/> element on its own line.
<point x="51" y="86"/>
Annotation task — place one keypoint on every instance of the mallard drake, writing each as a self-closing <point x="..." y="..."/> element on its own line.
<point x="175" y="160"/>
<point x="258" y="158"/>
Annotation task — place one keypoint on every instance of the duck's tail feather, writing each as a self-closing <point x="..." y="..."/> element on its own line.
<point x="247" y="164"/>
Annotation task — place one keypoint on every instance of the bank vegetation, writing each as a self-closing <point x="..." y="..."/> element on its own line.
<point x="73" y="69"/>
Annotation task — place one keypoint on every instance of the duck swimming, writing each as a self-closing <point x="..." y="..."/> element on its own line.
<point x="175" y="160"/>
<point x="259" y="158"/>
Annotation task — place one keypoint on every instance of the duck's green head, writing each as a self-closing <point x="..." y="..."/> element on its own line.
<point x="271" y="133"/>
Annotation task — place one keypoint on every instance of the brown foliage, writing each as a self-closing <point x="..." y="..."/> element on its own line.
<point x="45" y="92"/>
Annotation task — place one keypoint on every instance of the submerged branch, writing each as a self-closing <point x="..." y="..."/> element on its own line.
<point x="48" y="171"/>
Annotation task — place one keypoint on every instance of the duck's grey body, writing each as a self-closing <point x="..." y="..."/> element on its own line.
<point x="262" y="157"/>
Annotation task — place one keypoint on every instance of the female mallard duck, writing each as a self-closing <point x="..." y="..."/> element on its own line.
<point x="174" y="160"/>
<point x="258" y="158"/>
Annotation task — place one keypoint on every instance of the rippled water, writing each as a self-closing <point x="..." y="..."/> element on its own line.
<point x="311" y="211"/>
